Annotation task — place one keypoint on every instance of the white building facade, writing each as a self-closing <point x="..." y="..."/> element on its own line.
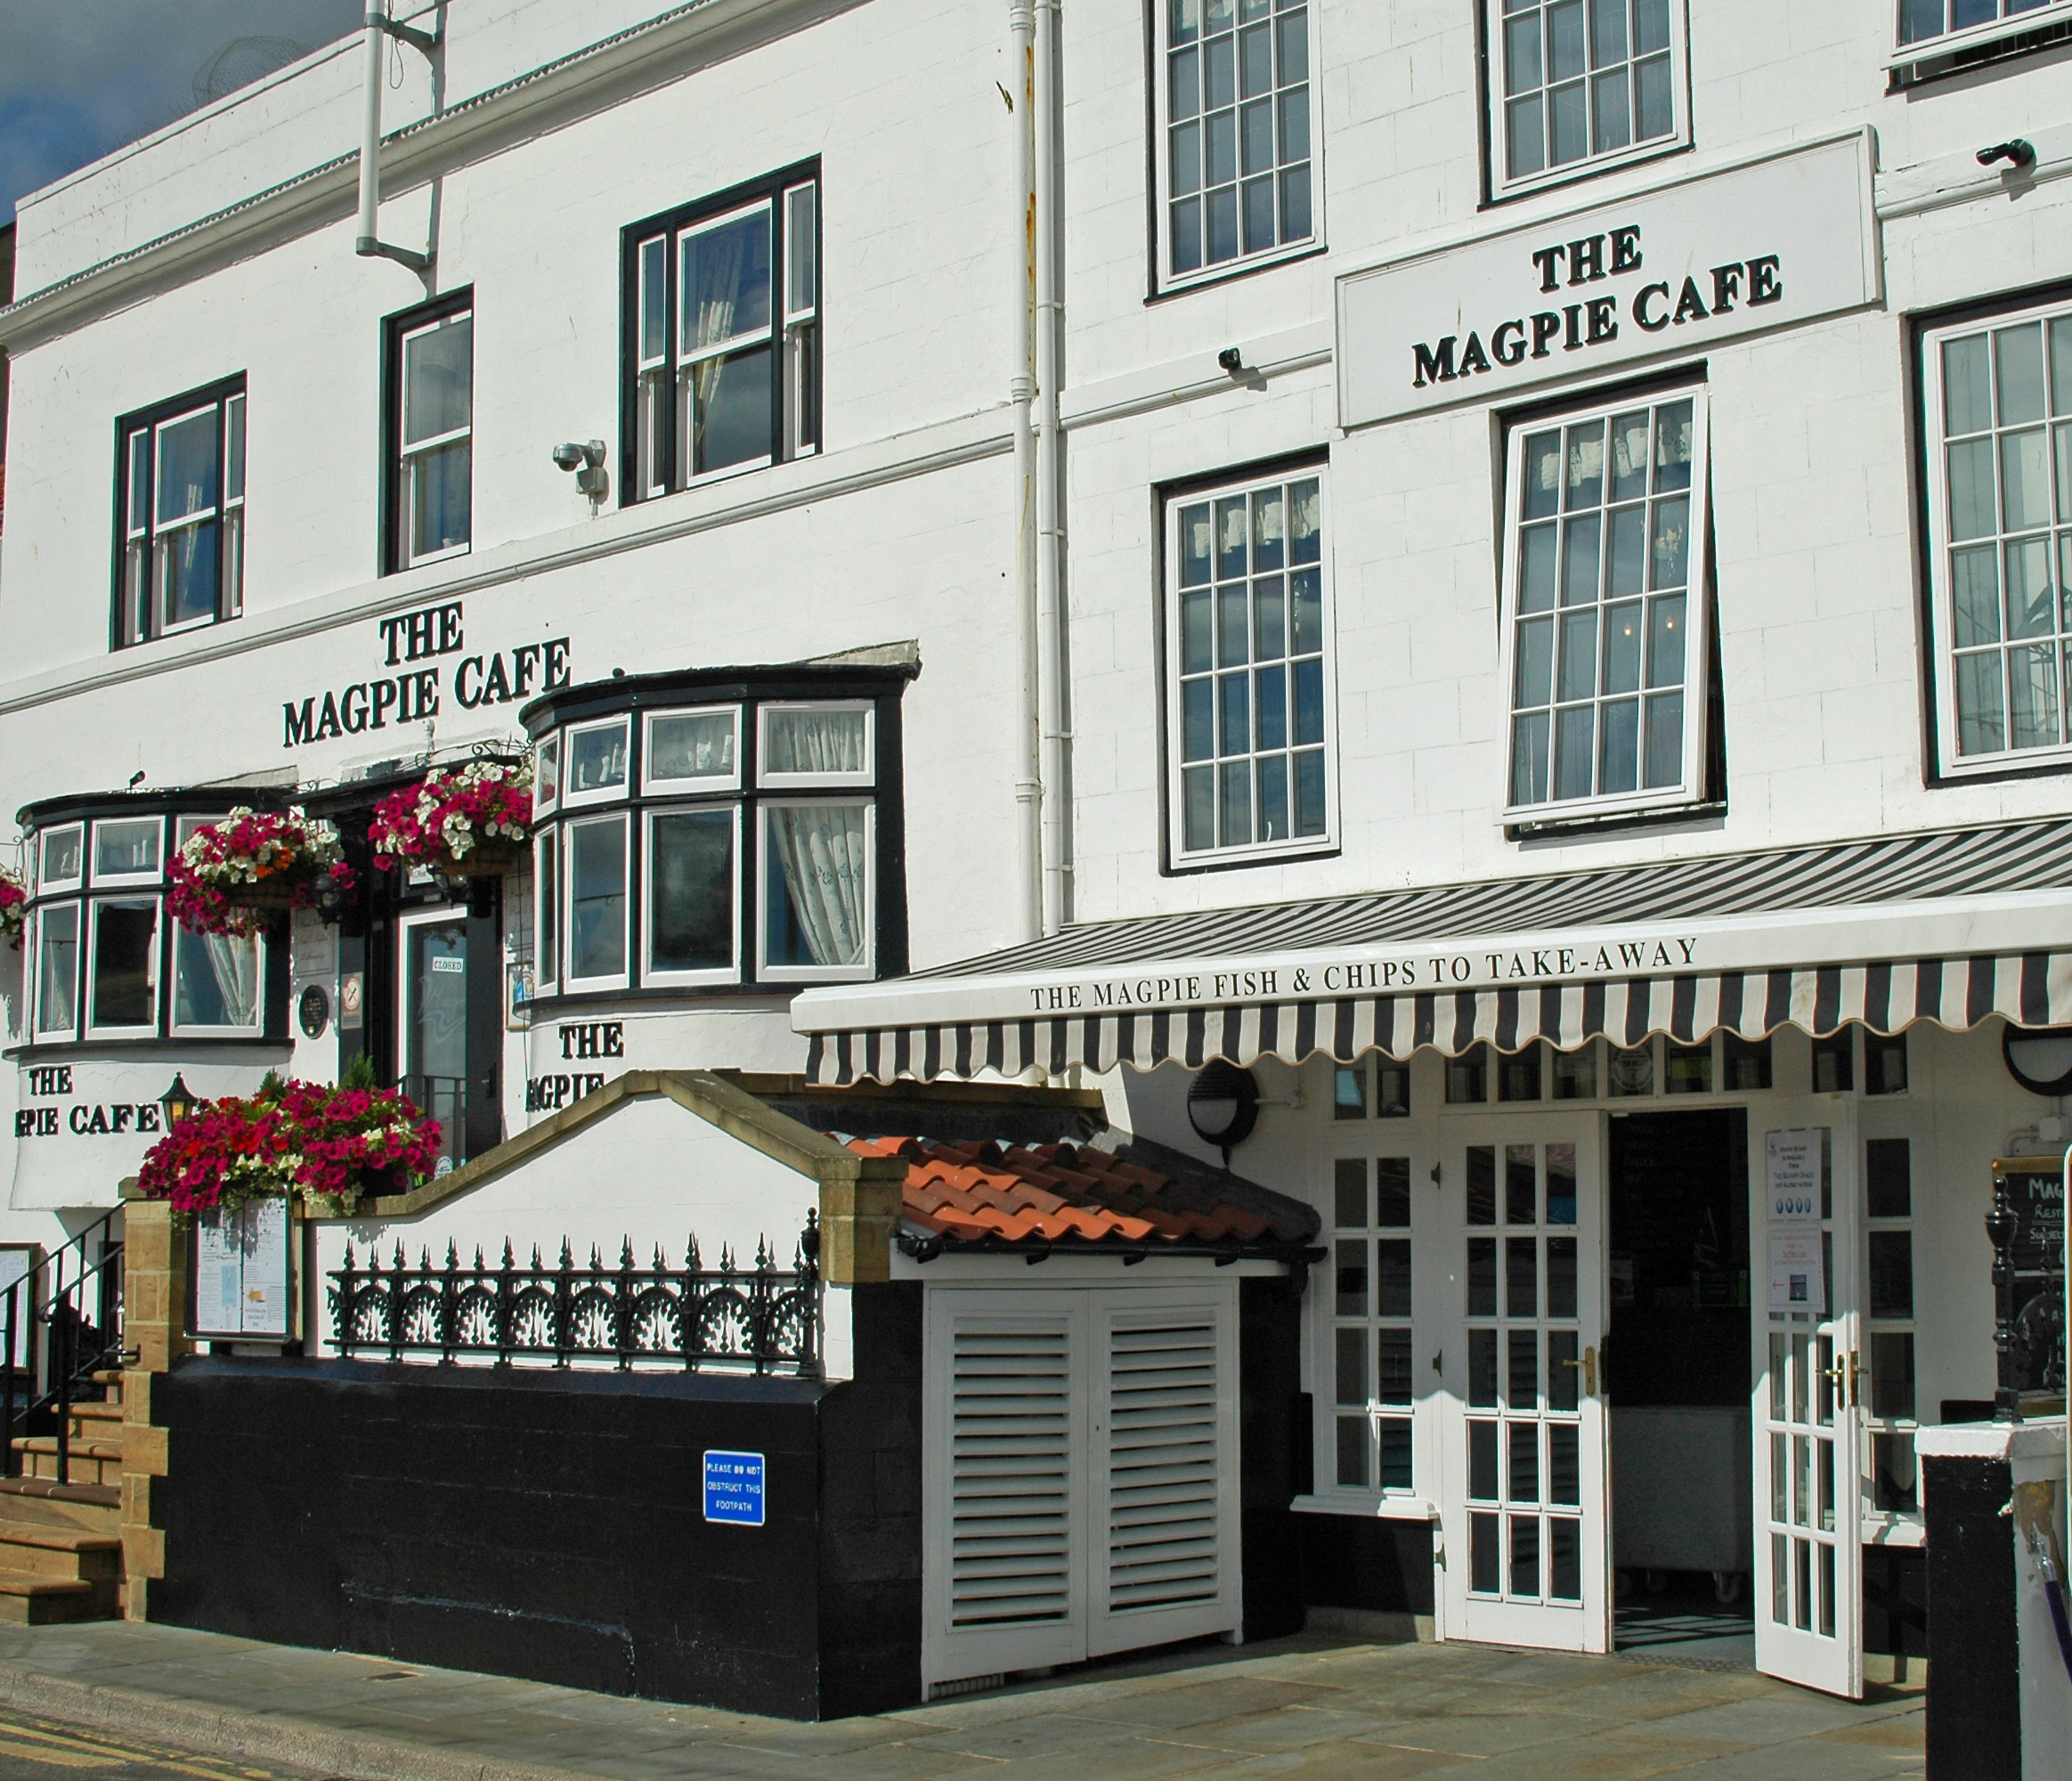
<point x="1497" y="566"/>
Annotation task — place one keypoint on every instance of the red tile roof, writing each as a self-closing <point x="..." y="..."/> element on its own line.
<point x="1064" y="1192"/>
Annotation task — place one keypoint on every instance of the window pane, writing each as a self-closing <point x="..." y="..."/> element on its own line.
<point x="550" y="930"/>
<point x="126" y="847"/>
<point x="1349" y="1178"/>
<point x="1351" y="1276"/>
<point x="1575" y="1074"/>
<point x="801" y="249"/>
<point x="597" y="757"/>
<point x="2019" y="362"/>
<point x="1561" y="1198"/>
<point x="215" y="979"/>
<point x="1392" y="1278"/>
<point x="187" y="466"/>
<point x="815" y="876"/>
<point x="441" y="503"/>
<point x="57" y="968"/>
<point x="1391" y="1192"/>
<point x="1966" y="392"/>
<point x="438" y="378"/>
<point x="1524" y="140"/>
<point x="1981" y="713"/>
<point x="697" y="745"/>
<point x="1354" y="1439"/>
<point x="597" y="899"/>
<point x="1351" y="1367"/>
<point x="125" y="954"/>
<point x="187" y="574"/>
<point x="1349" y="1102"/>
<point x="816" y="741"/>
<point x="234" y="447"/>
<point x="690" y="891"/>
<point x="726" y="292"/>
<point x="1657" y="110"/>
<point x="61" y="857"/>
<point x="653" y="299"/>
<point x="1891" y="1274"/>
<point x="731" y="414"/>
<point x="1892" y="1391"/>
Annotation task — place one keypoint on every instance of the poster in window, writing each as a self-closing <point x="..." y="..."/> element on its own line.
<point x="242" y="1272"/>
<point x="18" y="1265"/>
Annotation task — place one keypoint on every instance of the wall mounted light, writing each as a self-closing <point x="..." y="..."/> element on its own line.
<point x="2019" y="154"/>
<point x="178" y="1101"/>
<point x="2039" y="1058"/>
<point x="1223" y="1106"/>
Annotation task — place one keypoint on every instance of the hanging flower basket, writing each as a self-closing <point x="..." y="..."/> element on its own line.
<point x="13" y="907"/>
<point x="229" y="877"/>
<point x="469" y="824"/>
<point x="329" y="1144"/>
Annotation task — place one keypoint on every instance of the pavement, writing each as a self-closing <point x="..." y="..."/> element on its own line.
<point x="1312" y="1707"/>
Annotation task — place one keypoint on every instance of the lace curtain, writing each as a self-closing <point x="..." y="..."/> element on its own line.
<point x="821" y="848"/>
<point x="816" y="741"/>
<point x="233" y="971"/>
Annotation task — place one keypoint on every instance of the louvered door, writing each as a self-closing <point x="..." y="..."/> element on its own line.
<point x="1080" y="1489"/>
<point x="1165" y="1436"/>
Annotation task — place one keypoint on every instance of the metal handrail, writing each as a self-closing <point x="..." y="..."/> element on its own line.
<point x="47" y="1310"/>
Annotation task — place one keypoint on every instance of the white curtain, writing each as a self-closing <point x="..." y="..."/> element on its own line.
<point x="816" y="741"/>
<point x="717" y="255"/>
<point x="821" y="847"/>
<point x="235" y="963"/>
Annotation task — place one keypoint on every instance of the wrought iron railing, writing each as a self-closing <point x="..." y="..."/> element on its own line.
<point x="61" y="1323"/>
<point x="760" y="1318"/>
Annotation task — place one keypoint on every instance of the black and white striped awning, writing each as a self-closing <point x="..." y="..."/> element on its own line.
<point x="1953" y="927"/>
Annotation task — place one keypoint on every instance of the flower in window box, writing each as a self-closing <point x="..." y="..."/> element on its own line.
<point x="329" y="1143"/>
<point x="229" y="877"/>
<point x="14" y="906"/>
<point x="470" y="824"/>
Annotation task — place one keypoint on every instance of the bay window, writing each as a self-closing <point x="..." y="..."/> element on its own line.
<point x="1575" y="86"/>
<point x="723" y="358"/>
<point x="708" y="837"/>
<point x="1234" y="149"/>
<point x="1999" y="427"/>
<point x="1249" y="722"/>
<point x="180" y="502"/>
<point x="106" y="962"/>
<point x="1604" y="640"/>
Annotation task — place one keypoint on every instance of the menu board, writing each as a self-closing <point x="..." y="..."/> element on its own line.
<point x="242" y="1273"/>
<point x="1793" y="1196"/>
<point x="2031" y="1192"/>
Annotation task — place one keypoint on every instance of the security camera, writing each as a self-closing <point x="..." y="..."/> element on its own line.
<point x="587" y="460"/>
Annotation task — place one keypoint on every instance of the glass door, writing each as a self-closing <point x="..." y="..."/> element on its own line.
<point x="1805" y="1200"/>
<point x="1524" y="1501"/>
<point x="435" y="1025"/>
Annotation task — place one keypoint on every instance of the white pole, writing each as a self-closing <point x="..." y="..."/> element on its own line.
<point x="367" y="235"/>
<point x="1028" y="790"/>
<point x="1051" y="653"/>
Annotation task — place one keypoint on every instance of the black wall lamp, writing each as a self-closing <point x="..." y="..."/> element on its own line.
<point x="2019" y="154"/>
<point x="2039" y="1058"/>
<point x="1223" y="1106"/>
<point x="178" y="1101"/>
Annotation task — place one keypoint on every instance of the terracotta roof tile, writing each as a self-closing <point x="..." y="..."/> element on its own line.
<point x="981" y="1191"/>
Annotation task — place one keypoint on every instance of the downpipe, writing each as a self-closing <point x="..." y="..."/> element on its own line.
<point x="367" y="241"/>
<point x="1029" y="788"/>
<point x="1052" y="657"/>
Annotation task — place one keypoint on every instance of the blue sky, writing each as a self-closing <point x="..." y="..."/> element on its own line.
<point x="79" y="78"/>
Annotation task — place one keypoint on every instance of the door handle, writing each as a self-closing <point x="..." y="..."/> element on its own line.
<point x="1588" y="1363"/>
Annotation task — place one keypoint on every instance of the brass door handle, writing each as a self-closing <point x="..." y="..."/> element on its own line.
<point x="1588" y="1363"/>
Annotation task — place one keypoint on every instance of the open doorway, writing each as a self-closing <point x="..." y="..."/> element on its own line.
<point x="1676" y="1374"/>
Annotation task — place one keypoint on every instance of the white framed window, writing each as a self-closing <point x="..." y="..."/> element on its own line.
<point x="433" y="493"/>
<point x="1950" y="26"/>
<point x="122" y="969"/>
<point x="820" y="745"/>
<point x="694" y="751"/>
<point x="593" y="874"/>
<point x="1368" y="1447"/>
<point x="725" y="354"/>
<point x="546" y="775"/>
<point x="547" y="888"/>
<point x="1892" y="1491"/>
<point x="125" y="850"/>
<point x="181" y="496"/>
<point x="1604" y="634"/>
<point x="61" y="858"/>
<point x="816" y="889"/>
<point x="690" y="916"/>
<point x="1999" y="429"/>
<point x="1577" y="85"/>
<point x="57" y="972"/>
<point x="1251" y="726"/>
<point x="595" y="769"/>
<point x="1235" y="151"/>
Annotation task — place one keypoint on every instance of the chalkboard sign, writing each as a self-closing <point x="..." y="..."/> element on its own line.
<point x="2026" y="1226"/>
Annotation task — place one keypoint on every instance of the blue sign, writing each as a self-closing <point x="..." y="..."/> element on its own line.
<point x="733" y="1488"/>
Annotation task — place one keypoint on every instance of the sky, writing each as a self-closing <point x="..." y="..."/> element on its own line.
<point x="80" y="78"/>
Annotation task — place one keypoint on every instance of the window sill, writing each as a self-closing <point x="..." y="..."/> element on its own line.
<point x="1958" y="53"/>
<point x="1321" y="849"/>
<point x="1584" y="171"/>
<point x="1607" y="822"/>
<point x="1236" y="269"/>
<point x="1367" y="1506"/>
<point x="179" y="1046"/>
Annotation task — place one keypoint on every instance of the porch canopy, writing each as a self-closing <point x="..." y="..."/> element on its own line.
<point x="1952" y="927"/>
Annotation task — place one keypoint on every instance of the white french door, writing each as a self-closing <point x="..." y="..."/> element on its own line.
<point x="1806" y="1210"/>
<point x="1525" y="1500"/>
<point x="1080" y="1491"/>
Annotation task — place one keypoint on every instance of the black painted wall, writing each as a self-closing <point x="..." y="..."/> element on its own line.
<point x="1273" y="1442"/>
<point x="1974" y="1709"/>
<point x="550" y="1525"/>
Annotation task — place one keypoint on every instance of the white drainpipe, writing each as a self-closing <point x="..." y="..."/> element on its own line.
<point x="1050" y="543"/>
<point x="1029" y="789"/>
<point x="367" y="240"/>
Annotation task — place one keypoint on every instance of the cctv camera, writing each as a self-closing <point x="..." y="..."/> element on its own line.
<point x="569" y="457"/>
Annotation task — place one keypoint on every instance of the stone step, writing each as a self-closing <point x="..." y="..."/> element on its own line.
<point x="72" y="1553"/>
<point x="44" y="1601"/>
<point x="44" y="1503"/>
<point x="91" y="1462"/>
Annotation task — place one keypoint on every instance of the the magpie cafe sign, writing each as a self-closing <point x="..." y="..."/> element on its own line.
<point x="1782" y="239"/>
<point x="425" y="659"/>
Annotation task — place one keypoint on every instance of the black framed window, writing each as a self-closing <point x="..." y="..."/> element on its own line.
<point x="180" y="514"/>
<point x="428" y="484"/>
<point x="692" y="833"/>
<point x="107" y="963"/>
<point x="722" y="347"/>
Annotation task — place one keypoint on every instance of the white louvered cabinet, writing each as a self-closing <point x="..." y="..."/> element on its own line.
<point x="1081" y="1491"/>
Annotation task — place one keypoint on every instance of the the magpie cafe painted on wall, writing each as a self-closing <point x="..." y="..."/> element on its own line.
<point x="1763" y="244"/>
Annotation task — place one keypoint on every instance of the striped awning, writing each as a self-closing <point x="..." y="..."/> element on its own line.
<point x="1953" y="927"/>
